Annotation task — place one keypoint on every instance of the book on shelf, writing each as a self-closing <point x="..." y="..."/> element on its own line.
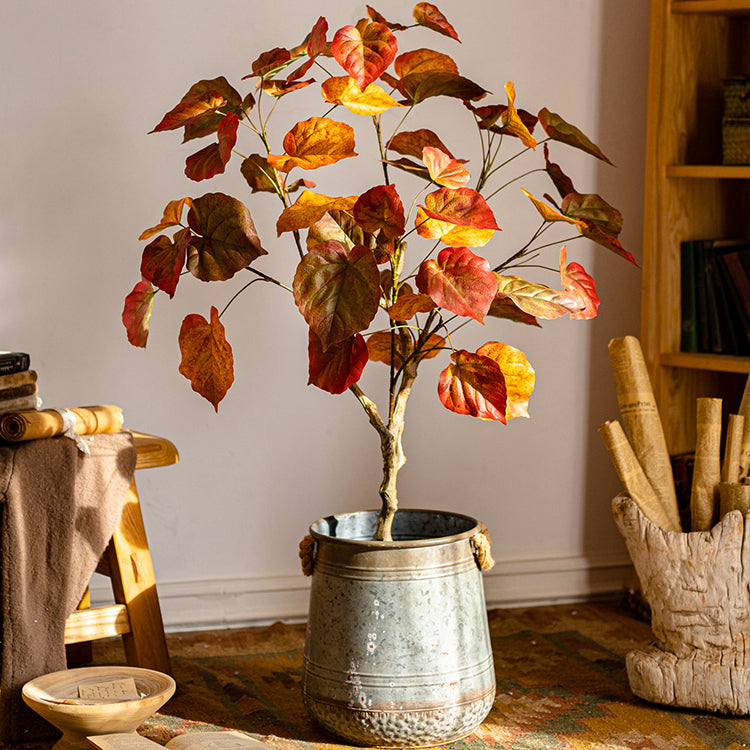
<point x="212" y="740"/>
<point x="11" y="362"/>
<point x="715" y="317"/>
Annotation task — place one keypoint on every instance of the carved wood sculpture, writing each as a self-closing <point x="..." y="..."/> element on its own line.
<point x="698" y="587"/>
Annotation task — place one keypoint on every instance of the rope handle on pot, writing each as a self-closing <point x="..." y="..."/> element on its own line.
<point x="482" y="551"/>
<point x="307" y="554"/>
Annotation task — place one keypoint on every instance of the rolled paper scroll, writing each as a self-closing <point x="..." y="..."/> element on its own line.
<point x="730" y="469"/>
<point x="704" y="497"/>
<point x="733" y="497"/>
<point x="632" y="477"/>
<point x="744" y="411"/>
<point x="641" y="421"/>
<point x="32" y="425"/>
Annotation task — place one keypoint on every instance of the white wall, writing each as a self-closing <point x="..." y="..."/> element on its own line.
<point x="84" y="81"/>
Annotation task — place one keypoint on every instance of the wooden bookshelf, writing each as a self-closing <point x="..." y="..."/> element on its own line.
<point x="689" y="194"/>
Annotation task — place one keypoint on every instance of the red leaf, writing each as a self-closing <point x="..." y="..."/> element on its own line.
<point x="364" y="53"/>
<point x="207" y="360"/>
<point x="428" y="15"/>
<point x="504" y="307"/>
<point x="136" y="315"/>
<point x="190" y="109"/>
<point x="473" y="385"/>
<point x="209" y="123"/>
<point x="417" y="87"/>
<point x="576" y="280"/>
<point x="279" y="87"/>
<point x="337" y="290"/>
<point x="380" y="208"/>
<point x="561" y="181"/>
<point x="339" y="366"/>
<point x="459" y="281"/>
<point x="375" y="16"/>
<point x="212" y="159"/>
<point x="225" y="241"/>
<point x="163" y="260"/>
<point x="316" y="44"/>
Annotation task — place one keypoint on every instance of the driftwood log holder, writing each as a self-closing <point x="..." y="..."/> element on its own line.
<point x="698" y="587"/>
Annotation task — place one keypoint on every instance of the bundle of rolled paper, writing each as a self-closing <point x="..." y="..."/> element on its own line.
<point x="19" y="390"/>
<point x="639" y="452"/>
<point x="84" y="420"/>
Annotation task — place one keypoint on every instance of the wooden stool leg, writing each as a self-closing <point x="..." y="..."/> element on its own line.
<point x="80" y="653"/>
<point x="134" y="585"/>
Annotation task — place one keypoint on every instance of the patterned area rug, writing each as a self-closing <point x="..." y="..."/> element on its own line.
<point x="560" y="676"/>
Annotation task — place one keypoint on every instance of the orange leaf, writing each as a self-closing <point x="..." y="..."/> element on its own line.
<point x="419" y="86"/>
<point x="207" y="360"/>
<point x="423" y="61"/>
<point x="279" y="87"/>
<point x="314" y="143"/>
<point x="456" y="216"/>
<point x="428" y="15"/>
<point x="190" y="109"/>
<point x="512" y="122"/>
<point x="518" y="374"/>
<point x="412" y="143"/>
<point x="409" y="304"/>
<point x="136" y="315"/>
<point x="344" y="90"/>
<point x="172" y="217"/>
<point x="308" y="209"/>
<point x="379" y="348"/>
<point x="375" y="16"/>
<point x="577" y="281"/>
<point x="443" y="170"/>
<point x="473" y="385"/>
<point x="271" y="62"/>
<point x="364" y="53"/>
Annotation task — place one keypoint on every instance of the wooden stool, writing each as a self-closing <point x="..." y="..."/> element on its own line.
<point x="136" y="616"/>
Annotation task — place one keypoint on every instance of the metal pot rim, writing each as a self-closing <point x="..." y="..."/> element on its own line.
<point x="472" y="528"/>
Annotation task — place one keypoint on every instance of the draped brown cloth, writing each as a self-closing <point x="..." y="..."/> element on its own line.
<point x="59" y="508"/>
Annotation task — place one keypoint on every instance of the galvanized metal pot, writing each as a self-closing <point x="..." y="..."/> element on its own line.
<point x="397" y="650"/>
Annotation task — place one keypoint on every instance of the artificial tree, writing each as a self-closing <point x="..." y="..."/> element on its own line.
<point x="362" y="295"/>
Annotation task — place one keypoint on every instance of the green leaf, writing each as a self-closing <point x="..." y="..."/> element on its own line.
<point x="225" y="241"/>
<point x="337" y="290"/>
<point x="560" y="130"/>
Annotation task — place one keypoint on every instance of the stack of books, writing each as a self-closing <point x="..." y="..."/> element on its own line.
<point x="715" y="296"/>
<point x="18" y="387"/>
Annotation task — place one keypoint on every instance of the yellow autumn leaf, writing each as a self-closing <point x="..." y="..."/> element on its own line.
<point x="550" y="214"/>
<point x="519" y="376"/>
<point x="315" y="143"/>
<point x="453" y="235"/>
<point x="309" y="208"/>
<point x="344" y="90"/>
<point x="512" y="121"/>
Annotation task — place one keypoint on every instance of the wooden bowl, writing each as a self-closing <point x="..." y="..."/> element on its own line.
<point x="54" y="697"/>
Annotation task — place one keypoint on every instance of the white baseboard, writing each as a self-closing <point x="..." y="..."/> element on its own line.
<point x="239" y="602"/>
